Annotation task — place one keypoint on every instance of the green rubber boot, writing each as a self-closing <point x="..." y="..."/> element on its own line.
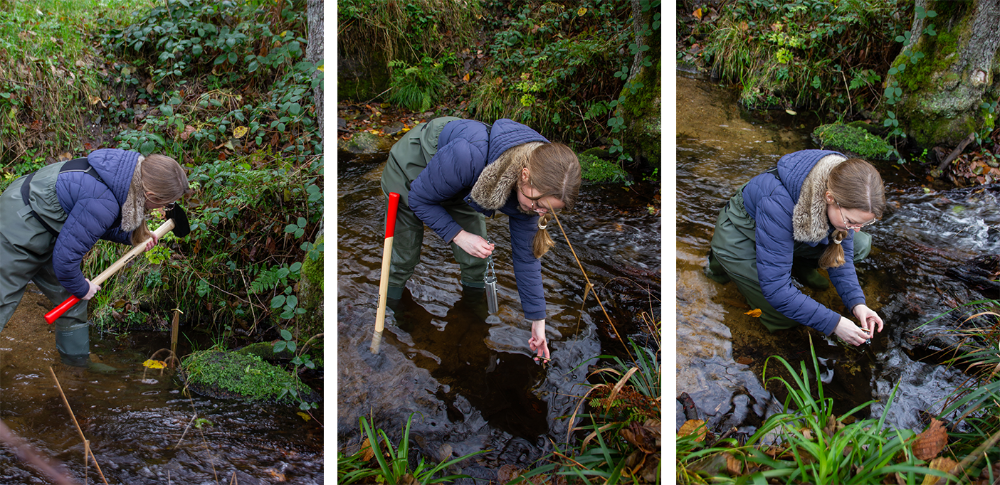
<point x="808" y="273"/>
<point x="715" y="271"/>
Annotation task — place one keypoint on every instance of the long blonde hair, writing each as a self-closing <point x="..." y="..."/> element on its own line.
<point x="163" y="181"/>
<point x="853" y="184"/>
<point x="553" y="170"/>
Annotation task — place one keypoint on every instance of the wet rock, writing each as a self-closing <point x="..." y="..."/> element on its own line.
<point x="922" y="388"/>
<point x="364" y="143"/>
<point x="980" y="274"/>
<point x="393" y="128"/>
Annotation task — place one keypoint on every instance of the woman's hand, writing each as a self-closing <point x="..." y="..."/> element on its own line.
<point x="538" y="342"/>
<point x="152" y="241"/>
<point x="92" y="291"/>
<point x="850" y="332"/>
<point x="868" y="318"/>
<point x="473" y="244"/>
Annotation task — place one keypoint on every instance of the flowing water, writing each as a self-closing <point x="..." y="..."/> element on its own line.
<point x="468" y="376"/>
<point x="140" y="426"/>
<point x="721" y="351"/>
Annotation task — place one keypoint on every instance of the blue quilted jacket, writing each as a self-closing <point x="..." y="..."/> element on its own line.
<point x="770" y="202"/>
<point x="93" y="212"/>
<point x="465" y="147"/>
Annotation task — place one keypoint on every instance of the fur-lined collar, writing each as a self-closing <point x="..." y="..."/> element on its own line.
<point x="497" y="180"/>
<point x="810" y="222"/>
<point x="134" y="208"/>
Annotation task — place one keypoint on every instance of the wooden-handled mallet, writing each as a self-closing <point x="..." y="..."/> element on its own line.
<point x="176" y="221"/>
<point x="383" y="284"/>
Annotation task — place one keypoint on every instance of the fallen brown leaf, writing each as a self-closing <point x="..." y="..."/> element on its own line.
<point x="692" y="426"/>
<point x="930" y="443"/>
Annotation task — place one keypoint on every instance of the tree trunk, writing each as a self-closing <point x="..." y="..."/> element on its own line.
<point x="314" y="51"/>
<point x="641" y="109"/>
<point x="943" y="91"/>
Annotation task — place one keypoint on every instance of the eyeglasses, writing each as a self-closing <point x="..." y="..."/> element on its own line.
<point x="849" y="224"/>
<point x="532" y="199"/>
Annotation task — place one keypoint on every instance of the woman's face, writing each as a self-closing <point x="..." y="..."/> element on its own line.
<point x="529" y="201"/>
<point x="150" y="205"/>
<point x="844" y="219"/>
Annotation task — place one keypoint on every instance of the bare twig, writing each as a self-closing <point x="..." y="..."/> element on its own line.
<point x="27" y="454"/>
<point x="957" y="151"/>
<point x="84" y="438"/>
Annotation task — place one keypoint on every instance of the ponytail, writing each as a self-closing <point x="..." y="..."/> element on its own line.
<point x="542" y="242"/>
<point x="833" y="256"/>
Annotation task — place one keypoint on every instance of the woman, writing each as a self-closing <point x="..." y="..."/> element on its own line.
<point x="50" y="224"/>
<point x="451" y="173"/>
<point x="809" y="208"/>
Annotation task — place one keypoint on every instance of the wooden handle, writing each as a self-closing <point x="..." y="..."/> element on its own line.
<point x="383" y="284"/>
<point x="61" y="308"/>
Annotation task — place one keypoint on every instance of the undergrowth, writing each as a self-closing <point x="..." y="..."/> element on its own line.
<point x="225" y="89"/>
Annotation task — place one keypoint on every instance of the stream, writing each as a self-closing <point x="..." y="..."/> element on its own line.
<point x="142" y="429"/>
<point x="468" y="377"/>
<point x="721" y="351"/>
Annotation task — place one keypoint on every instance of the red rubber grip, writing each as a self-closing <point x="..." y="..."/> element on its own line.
<point x="390" y="221"/>
<point x="57" y="312"/>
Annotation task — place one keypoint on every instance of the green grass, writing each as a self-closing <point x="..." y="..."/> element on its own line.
<point x="395" y="469"/>
<point x="51" y="74"/>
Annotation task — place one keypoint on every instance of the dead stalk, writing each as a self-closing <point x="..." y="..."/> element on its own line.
<point x="589" y="285"/>
<point x="80" y="430"/>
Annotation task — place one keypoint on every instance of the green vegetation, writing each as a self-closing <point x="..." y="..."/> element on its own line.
<point x="854" y="140"/>
<point x="563" y="68"/>
<point x="601" y="171"/>
<point x="222" y="87"/>
<point x="395" y="470"/>
<point x="807" y="443"/>
<point x="245" y="376"/>
<point x="806" y="53"/>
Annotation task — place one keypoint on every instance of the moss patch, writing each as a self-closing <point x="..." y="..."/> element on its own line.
<point x="852" y="140"/>
<point x="239" y="375"/>
<point x="601" y="171"/>
<point x="313" y="268"/>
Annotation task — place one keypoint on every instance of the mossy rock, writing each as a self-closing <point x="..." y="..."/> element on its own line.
<point x="598" y="170"/>
<point x="365" y="143"/>
<point x="265" y="350"/>
<point x="234" y="375"/>
<point x="852" y="140"/>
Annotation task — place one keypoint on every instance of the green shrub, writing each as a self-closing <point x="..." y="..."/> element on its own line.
<point x="419" y="87"/>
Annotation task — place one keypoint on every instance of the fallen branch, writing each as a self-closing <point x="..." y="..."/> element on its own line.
<point x="25" y="453"/>
<point x="957" y="151"/>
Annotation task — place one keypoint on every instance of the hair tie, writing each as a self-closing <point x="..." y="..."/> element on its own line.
<point x="542" y="226"/>
<point x="836" y="241"/>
